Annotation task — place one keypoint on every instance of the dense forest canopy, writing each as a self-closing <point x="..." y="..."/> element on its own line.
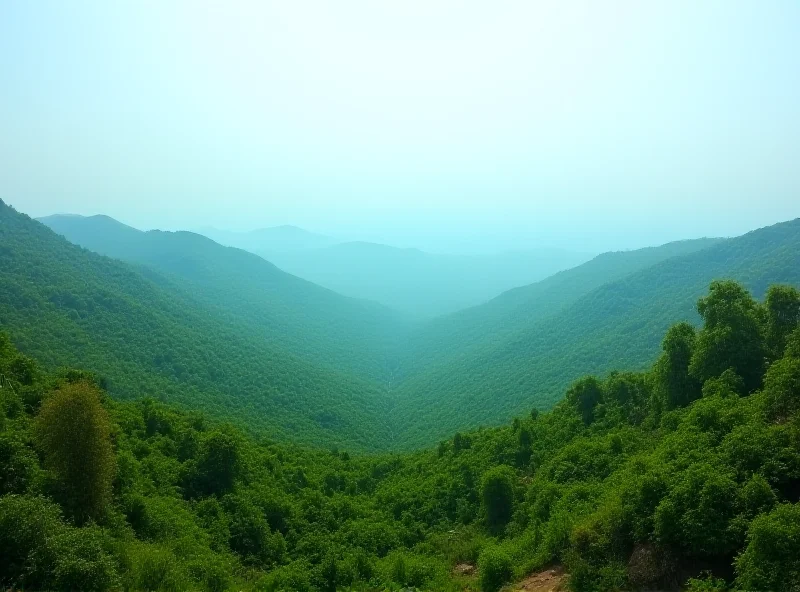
<point x="685" y="474"/>
<point x="330" y="370"/>
<point x="153" y="333"/>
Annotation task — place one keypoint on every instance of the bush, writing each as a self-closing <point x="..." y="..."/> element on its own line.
<point x="494" y="567"/>
<point x="80" y="561"/>
<point x="152" y="567"/>
<point x="706" y="583"/>
<point x="38" y="551"/>
<point x="771" y="560"/>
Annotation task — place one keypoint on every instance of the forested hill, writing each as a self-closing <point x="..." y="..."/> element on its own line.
<point x="520" y="309"/>
<point x="617" y="323"/>
<point x="149" y="334"/>
<point x="242" y="337"/>
<point x="298" y="316"/>
<point x="683" y="477"/>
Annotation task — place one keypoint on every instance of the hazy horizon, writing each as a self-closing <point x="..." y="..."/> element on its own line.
<point x="442" y="126"/>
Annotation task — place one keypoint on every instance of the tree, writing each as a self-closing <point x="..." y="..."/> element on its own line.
<point x="782" y="388"/>
<point x="217" y="465"/>
<point x="696" y="513"/>
<point x="497" y="495"/>
<point x="771" y="560"/>
<point x="585" y="394"/>
<point x="73" y="430"/>
<point x="782" y="306"/>
<point x="731" y="336"/>
<point x="524" y="450"/>
<point x="675" y="385"/>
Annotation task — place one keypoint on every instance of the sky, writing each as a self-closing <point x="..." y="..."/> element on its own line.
<point x="442" y="125"/>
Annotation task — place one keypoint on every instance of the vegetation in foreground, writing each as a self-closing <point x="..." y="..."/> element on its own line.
<point x="687" y="475"/>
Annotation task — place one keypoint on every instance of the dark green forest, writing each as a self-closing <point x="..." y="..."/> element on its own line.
<point x="686" y="474"/>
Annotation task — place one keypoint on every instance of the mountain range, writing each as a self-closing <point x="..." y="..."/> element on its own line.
<point x="412" y="281"/>
<point x="182" y="318"/>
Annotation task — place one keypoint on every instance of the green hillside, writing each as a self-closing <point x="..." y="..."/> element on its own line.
<point x="682" y="477"/>
<point x="517" y="310"/>
<point x="291" y="313"/>
<point x="420" y="283"/>
<point x="618" y="322"/>
<point x="408" y="386"/>
<point x="149" y="334"/>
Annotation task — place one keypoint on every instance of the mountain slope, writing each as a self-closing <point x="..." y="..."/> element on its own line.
<point x="419" y="283"/>
<point x="517" y="310"/>
<point x="292" y="313"/>
<point x="148" y="334"/>
<point x="617" y="324"/>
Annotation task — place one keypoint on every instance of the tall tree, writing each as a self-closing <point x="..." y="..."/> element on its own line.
<point x="585" y="395"/>
<point x="497" y="495"/>
<point x="675" y="385"/>
<point x="73" y="430"/>
<point x="731" y="337"/>
<point x="217" y="465"/>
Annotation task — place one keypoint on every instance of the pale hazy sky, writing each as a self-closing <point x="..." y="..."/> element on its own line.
<point x="589" y="124"/>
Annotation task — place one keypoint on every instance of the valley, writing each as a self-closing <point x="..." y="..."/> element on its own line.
<point x="420" y="296"/>
<point x="479" y="366"/>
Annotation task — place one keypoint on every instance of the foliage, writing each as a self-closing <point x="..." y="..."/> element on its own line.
<point x="199" y="325"/>
<point x="771" y="560"/>
<point x="629" y="480"/>
<point x="524" y="348"/>
<point x="497" y="496"/>
<point x="74" y="432"/>
<point x="495" y="569"/>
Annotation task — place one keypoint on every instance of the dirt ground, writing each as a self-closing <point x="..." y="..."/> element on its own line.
<point x="549" y="580"/>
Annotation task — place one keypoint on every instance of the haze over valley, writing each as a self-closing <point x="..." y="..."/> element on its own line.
<point x="400" y="297"/>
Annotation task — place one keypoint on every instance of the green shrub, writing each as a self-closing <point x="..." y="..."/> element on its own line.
<point x="494" y="568"/>
<point x="771" y="560"/>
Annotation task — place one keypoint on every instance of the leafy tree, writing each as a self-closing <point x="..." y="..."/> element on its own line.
<point x="524" y="450"/>
<point x="695" y="515"/>
<point x="731" y="336"/>
<point x="782" y="305"/>
<point x="329" y="573"/>
<point x="218" y="464"/>
<point x="585" y="395"/>
<point x="73" y="430"/>
<point x="497" y="496"/>
<point x="771" y="560"/>
<point x="726" y="384"/>
<point x="676" y="386"/>
<point x="793" y="344"/>
<point x="782" y="388"/>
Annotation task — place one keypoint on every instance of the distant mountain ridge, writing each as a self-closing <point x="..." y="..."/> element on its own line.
<point x="175" y="333"/>
<point x="272" y="239"/>
<point x="419" y="381"/>
<point x="238" y="282"/>
<point x="615" y="324"/>
<point x="416" y="282"/>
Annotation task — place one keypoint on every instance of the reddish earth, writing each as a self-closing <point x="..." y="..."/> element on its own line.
<point x="549" y="580"/>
